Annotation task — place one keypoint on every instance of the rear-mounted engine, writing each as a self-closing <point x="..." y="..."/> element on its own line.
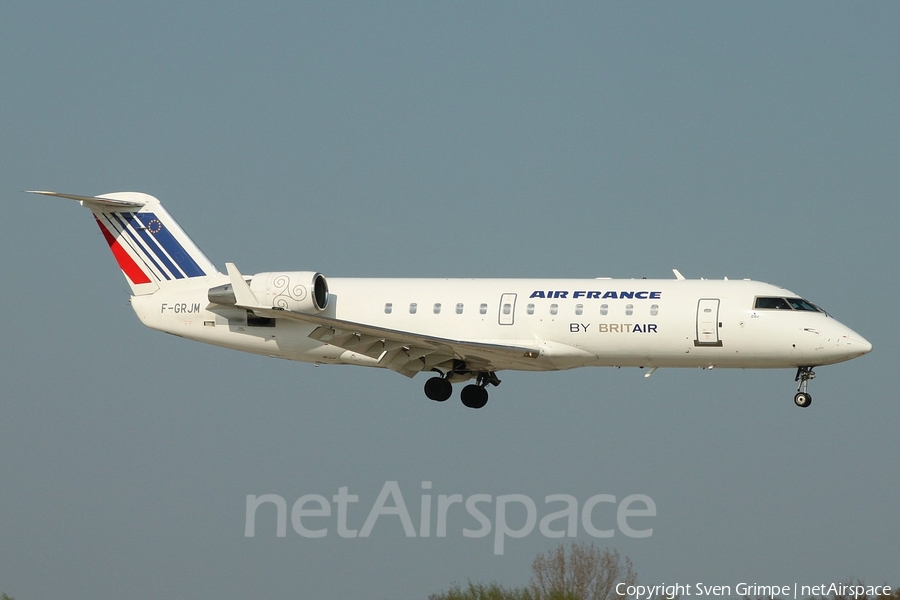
<point x="303" y="291"/>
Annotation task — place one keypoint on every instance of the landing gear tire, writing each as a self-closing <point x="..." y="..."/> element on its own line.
<point x="438" y="389"/>
<point x="802" y="399"/>
<point x="474" y="396"/>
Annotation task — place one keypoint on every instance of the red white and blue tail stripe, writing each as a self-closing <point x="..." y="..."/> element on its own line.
<point x="148" y="245"/>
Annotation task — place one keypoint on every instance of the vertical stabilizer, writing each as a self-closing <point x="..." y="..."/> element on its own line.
<point x="150" y="248"/>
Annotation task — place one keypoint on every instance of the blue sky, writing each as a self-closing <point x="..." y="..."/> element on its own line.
<point x="461" y="140"/>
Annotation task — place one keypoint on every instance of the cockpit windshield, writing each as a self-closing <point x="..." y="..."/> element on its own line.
<point x="772" y="303"/>
<point x="801" y="304"/>
<point x="777" y="303"/>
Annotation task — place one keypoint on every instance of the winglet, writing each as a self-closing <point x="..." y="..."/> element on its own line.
<point x="242" y="293"/>
<point x="678" y="274"/>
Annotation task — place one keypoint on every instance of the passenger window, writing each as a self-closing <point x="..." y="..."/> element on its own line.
<point x="507" y="308"/>
<point x="654" y="310"/>
<point x="412" y="308"/>
<point x="388" y="308"/>
<point x="629" y="309"/>
<point x="483" y="309"/>
<point x="604" y="309"/>
<point x="459" y="308"/>
<point x="579" y="308"/>
<point x="437" y="308"/>
<point x="554" y="308"/>
<point x="530" y="309"/>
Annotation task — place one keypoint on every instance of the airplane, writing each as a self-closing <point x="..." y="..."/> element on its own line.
<point x="462" y="329"/>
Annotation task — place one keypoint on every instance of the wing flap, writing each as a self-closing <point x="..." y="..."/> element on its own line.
<point x="371" y="346"/>
<point x="374" y="341"/>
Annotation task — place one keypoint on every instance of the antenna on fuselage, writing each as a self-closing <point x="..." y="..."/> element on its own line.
<point x="678" y="274"/>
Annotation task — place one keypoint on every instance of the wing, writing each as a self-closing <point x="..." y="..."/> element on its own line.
<point x="405" y="352"/>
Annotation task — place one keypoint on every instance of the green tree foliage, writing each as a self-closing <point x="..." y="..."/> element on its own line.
<point x="580" y="572"/>
<point x="584" y="572"/>
<point x="480" y="591"/>
<point x="577" y="572"/>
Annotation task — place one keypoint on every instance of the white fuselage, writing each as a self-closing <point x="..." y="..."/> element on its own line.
<point x="574" y="322"/>
<point x="461" y="329"/>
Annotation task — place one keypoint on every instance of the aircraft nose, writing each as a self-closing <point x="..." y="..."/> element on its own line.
<point x="854" y="344"/>
<point x="861" y="344"/>
<point x="846" y="344"/>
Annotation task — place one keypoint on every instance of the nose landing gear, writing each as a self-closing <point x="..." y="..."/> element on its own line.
<point x="802" y="398"/>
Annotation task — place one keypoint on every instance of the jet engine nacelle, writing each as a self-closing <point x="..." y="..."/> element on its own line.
<point x="304" y="291"/>
<point x="291" y="290"/>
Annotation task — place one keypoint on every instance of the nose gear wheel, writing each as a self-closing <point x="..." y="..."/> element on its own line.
<point x="802" y="398"/>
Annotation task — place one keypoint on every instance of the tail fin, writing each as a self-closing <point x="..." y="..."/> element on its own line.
<point x="149" y="246"/>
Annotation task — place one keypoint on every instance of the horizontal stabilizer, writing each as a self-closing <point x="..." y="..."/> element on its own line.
<point x="98" y="200"/>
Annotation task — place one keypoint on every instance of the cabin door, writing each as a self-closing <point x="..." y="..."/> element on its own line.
<point x="708" y="323"/>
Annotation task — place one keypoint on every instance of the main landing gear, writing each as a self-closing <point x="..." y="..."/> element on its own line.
<point x="802" y="398"/>
<point x="473" y="396"/>
<point x="438" y="389"/>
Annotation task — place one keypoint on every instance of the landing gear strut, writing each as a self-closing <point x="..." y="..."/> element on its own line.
<point x="802" y="398"/>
